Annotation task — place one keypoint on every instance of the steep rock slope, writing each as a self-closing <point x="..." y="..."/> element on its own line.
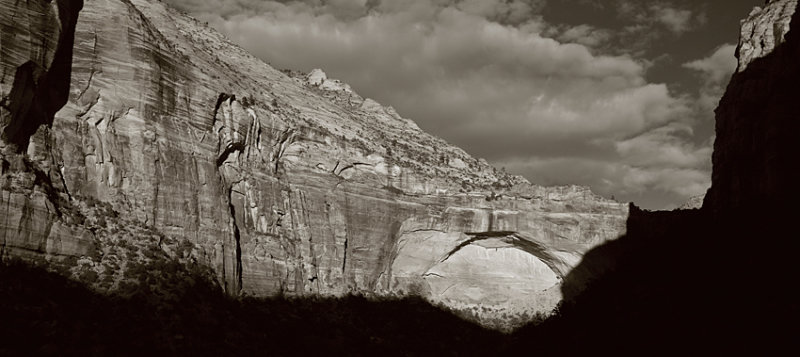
<point x="285" y="182"/>
<point x="755" y="152"/>
<point x="719" y="279"/>
<point x="36" y="50"/>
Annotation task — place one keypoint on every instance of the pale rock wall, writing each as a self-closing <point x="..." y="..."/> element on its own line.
<point x="36" y="41"/>
<point x="763" y="30"/>
<point x="288" y="186"/>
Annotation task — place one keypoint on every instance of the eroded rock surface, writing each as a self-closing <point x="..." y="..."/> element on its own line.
<point x="36" y="45"/>
<point x="763" y="30"/>
<point x="694" y="202"/>
<point x="36" y="58"/>
<point x="755" y="161"/>
<point x="286" y="182"/>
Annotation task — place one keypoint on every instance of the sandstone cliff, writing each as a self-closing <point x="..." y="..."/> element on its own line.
<point x="755" y="152"/>
<point x="701" y="281"/>
<point x="283" y="182"/>
<point x="36" y="50"/>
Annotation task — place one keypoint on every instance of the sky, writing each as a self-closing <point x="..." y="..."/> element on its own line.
<point x="617" y="95"/>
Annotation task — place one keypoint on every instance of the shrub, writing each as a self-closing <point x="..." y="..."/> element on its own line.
<point x="88" y="276"/>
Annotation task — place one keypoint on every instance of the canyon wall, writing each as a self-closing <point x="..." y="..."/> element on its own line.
<point x="755" y="152"/>
<point x="36" y="50"/>
<point x="285" y="182"/>
<point x="718" y="279"/>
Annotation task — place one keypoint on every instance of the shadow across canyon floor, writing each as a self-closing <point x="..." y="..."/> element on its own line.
<point x="678" y="282"/>
<point x="681" y="282"/>
<point x="44" y="313"/>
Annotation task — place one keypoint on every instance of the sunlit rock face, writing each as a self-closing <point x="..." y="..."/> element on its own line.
<point x="35" y="56"/>
<point x="755" y="152"/>
<point x="763" y="30"/>
<point x="694" y="202"/>
<point x="492" y="276"/>
<point x="36" y="42"/>
<point x="288" y="183"/>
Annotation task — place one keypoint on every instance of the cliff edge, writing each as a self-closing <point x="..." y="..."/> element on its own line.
<point x="282" y="182"/>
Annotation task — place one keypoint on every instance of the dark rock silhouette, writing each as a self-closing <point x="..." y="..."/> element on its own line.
<point x="755" y="152"/>
<point x="721" y="278"/>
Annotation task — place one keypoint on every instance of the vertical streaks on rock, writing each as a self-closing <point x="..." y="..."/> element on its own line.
<point x="41" y="81"/>
<point x="763" y="30"/>
<point x="284" y="187"/>
<point x="237" y="262"/>
<point x="36" y="52"/>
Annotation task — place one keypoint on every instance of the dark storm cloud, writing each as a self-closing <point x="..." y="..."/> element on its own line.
<point x="496" y="79"/>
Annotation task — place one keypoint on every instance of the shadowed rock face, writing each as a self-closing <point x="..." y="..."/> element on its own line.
<point x="36" y="50"/>
<point x="718" y="278"/>
<point x="36" y="57"/>
<point x="755" y="152"/>
<point x="286" y="183"/>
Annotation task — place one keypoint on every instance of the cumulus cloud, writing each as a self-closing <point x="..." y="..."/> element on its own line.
<point x="646" y="14"/>
<point x="676" y="20"/>
<point x="585" y="35"/>
<point x="649" y="186"/>
<point x="715" y="70"/>
<point x="487" y="76"/>
<point x="648" y="21"/>
<point x="718" y="66"/>
<point x="509" y="12"/>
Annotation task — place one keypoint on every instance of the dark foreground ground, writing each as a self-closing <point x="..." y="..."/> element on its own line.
<point x="675" y="284"/>
<point x="43" y="313"/>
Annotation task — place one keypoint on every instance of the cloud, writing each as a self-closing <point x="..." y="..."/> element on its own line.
<point x="676" y="20"/>
<point x="654" y="186"/>
<point x="663" y="147"/>
<point x="717" y="67"/>
<point x="487" y="76"/>
<point x="585" y="35"/>
<point x="715" y="71"/>
<point x="649" y="21"/>
<point x="507" y="12"/>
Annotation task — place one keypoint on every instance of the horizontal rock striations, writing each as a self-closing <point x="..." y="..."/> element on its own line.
<point x="285" y="182"/>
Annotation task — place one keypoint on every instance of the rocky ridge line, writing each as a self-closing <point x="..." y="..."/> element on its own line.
<point x="286" y="184"/>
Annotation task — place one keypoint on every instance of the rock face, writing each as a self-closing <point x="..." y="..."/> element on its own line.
<point x="36" y="57"/>
<point x="755" y="152"/>
<point x="718" y="277"/>
<point x="694" y="202"/>
<point x="763" y="30"/>
<point x="286" y="182"/>
<point x="36" y="50"/>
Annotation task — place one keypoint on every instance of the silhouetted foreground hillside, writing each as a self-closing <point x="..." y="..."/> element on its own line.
<point x="673" y="285"/>
<point x="44" y="313"/>
<point x="722" y="279"/>
<point x="681" y="282"/>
